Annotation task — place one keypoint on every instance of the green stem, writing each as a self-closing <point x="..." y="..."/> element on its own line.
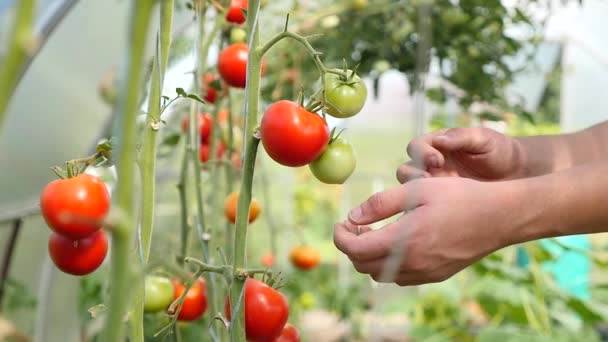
<point x="183" y="201"/>
<point x="237" y="327"/>
<point x="304" y="42"/>
<point x="148" y="162"/>
<point x="21" y="45"/>
<point x="141" y="11"/>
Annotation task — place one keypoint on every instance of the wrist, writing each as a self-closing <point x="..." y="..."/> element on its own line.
<point x="521" y="153"/>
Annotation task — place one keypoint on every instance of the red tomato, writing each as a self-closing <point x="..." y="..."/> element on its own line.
<point x="232" y="65"/>
<point x="289" y="334"/>
<point x="205" y="151"/>
<point x="235" y="12"/>
<point x="291" y="135"/>
<point x="210" y="94"/>
<point x="268" y="260"/>
<point x="266" y="311"/>
<point x="75" y="207"/>
<point x="205" y="125"/>
<point x="195" y="303"/>
<point x="78" y="257"/>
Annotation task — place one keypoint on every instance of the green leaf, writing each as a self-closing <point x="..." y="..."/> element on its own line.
<point x="590" y="312"/>
<point x="171" y="140"/>
<point x="195" y="97"/>
<point x="181" y="92"/>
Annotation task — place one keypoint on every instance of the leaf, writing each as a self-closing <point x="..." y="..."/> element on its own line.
<point x="590" y="312"/>
<point x="172" y="140"/>
<point x="195" y="97"/>
<point x="181" y="92"/>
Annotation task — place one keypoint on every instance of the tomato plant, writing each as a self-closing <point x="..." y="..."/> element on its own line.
<point x="158" y="293"/>
<point x="235" y="11"/>
<point x="289" y="334"/>
<point x="78" y="257"/>
<point x="195" y="302"/>
<point x="291" y="135"/>
<point x="336" y="163"/>
<point x="266" y="311"/>
<point x="344" y="96"/>
<point x="305" y="257"/>
<point x="230" y="206"/>
<point x="75" y="207"/>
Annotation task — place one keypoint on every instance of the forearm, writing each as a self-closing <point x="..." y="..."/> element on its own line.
<point x="541" y="155"/>
<point x="568" y="202"/>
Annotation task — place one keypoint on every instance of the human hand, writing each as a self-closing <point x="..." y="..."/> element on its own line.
<point x="477" y="153"/>
<point x="451" y="223"/>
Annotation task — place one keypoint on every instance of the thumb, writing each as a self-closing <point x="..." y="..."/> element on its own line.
<point x="471" y="140"/>
<point x="385" y="204"/>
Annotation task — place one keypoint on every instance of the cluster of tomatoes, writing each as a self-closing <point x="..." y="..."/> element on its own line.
<point x="75" y="209"/>
<point x="295" y="136"/>
<point x="266" y="309"/>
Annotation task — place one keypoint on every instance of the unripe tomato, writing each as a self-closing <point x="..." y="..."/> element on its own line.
<point x="305" y="257"/>
<point x="75" y="207"/>
<point x="358" y="5"/>
<point x="235" y="11"/>
<point x="159" y="293"/>
<point x="230" y="207"/>
<point x="336" y="163"/>
<point x="344" y="98"/>
<point x="205" y="125"/>
<point x="289" y="334"/>
<point x="266" y="311"/>
<point x="78" y="257"/>
<point x="268" y="260"/>
<point x="291" y="135"/>
<point x="238" y="35"/>
<point x="204" y="152"/>
<point x="195" y="303"/>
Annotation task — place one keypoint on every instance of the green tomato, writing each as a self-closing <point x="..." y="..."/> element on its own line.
<point x="336" y="163"/>
<point x="358" y="5"/>
<point x="344" y="98"/>
<point x="307" y="300"/>
<point x="159" y="294"/>
<point x="238" y="35"/>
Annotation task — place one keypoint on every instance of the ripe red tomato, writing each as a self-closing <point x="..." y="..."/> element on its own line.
<point x="268" y="260"/>
<point x="205" y="125"/>
<point x="195" y="303"/>
<point x="210" y="94"/>
<point x="266" y="311"/>
<point x="289" y="334"/>
<point x="78" y="257"/>
<point x="291" y="135"/>
<point x="232" y="65"/>
<point x="235" y="12"/>
<point x="230" y="207"/>
<point x="305" y="257"/>
<point x="205" y="151"/>
<point x="75" y="207"/>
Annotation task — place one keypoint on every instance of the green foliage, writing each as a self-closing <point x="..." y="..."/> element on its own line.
<point x="16" y="297"/>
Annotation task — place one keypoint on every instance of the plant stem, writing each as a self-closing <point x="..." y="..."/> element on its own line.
<point x="141" y="12"/>
<point x="21" y="45"/>
<point x="183" y="201"/>
<point x="7" y="257"/>
<point x="237" y="327"/>
<point x="148" y="162"/>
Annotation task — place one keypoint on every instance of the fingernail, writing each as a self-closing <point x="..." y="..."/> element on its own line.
<point x="356" y="214"/>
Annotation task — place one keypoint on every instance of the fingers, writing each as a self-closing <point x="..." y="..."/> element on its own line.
<point x="423" y="154"/>
<point x="407" y="172"/>
<point x="470" y="140"/>
<point x="363" y="243"/>
<point x="385" y="204"/>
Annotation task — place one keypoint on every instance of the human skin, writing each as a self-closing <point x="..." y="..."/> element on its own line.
<point x="549" y="186"/>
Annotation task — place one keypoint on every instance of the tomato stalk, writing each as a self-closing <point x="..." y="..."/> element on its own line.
<point x="252" y="89"/>
<point x="121" y="276"/>
<point x="22" y="43"/>
<point x="148" y="161"/>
